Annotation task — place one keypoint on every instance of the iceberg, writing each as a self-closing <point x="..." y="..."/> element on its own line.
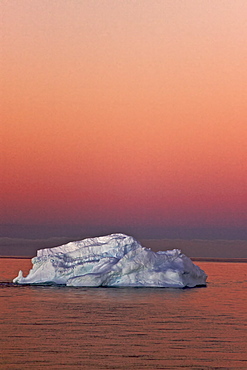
<point x="115" y="260"/>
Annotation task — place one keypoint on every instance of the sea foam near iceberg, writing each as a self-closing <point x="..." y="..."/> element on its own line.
<point x="115" y="260"/>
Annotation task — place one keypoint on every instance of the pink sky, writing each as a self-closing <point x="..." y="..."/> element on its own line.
<point x="124" y="112"/>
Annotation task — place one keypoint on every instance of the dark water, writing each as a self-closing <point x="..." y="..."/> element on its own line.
<point x="113" y="328"/>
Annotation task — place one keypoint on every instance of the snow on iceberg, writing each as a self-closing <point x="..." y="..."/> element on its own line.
<point x="115" y="260"/>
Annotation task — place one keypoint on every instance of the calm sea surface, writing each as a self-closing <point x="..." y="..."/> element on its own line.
<point x="125" y="328"/>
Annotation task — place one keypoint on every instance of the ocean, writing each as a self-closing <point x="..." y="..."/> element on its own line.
<point x="59" y="327"/>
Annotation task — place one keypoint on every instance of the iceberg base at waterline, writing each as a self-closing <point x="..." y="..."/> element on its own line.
<point x="115" y="260"/>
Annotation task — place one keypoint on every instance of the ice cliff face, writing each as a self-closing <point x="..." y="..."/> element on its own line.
<point x="112" y="260"/>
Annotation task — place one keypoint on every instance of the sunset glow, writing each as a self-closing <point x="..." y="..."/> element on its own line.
<point x="121" y="112"/>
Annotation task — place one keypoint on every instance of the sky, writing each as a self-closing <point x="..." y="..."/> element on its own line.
<point x="128" y="115"/>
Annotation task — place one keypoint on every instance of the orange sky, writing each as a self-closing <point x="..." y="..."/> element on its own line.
<point x="124" y="112"/>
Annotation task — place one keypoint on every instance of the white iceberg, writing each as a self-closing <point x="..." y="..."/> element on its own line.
<point x="115" y="260"/>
